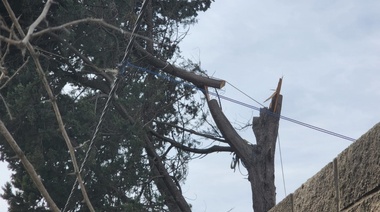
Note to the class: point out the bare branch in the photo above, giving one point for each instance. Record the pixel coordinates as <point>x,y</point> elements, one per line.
<point>42,76</point>
<point>10,41</point>
<point>13,18</point>
<point>212,149</point>
<point>197,80</point>
<point>88,20</point>
<point>6,107</point>
<point>18,70</point>
<point>37,21</point>
<point>28,166</point>
<point>194,132</point>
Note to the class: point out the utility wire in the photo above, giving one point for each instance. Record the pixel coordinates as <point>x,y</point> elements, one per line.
<point>120,75</point>
<point>246,94</point>
<point>282,165</point>
<point>173,80</point>
<point>90,145</point>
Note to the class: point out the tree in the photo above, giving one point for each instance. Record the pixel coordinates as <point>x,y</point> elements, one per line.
<point>138,158</point>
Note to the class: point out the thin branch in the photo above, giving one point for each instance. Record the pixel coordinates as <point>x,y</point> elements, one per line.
<point>13,18</point>
<point>212,149</point>
<point>194,132</point>
<point>42,76</point>
<point>41,17</point>
<point>6,107</point>
<point>10,41</point>
<point>83,57</point>
<point>28,166</point>
<point>18,70</point>
<point>88,20</point>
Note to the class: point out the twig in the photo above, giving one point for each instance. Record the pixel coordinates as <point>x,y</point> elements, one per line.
<point>18,70</point>
<point>6,107</point>
<point>87,20</point>
<point>28,166</point>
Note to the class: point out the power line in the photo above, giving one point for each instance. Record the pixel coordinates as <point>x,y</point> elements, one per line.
<point>171,79</point>
<point>121,65</point>
<point>282,165</point>
<point>246,94</point>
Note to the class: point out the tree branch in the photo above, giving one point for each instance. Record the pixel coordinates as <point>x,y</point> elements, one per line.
<point>212,149</point>
<point>52,98</point>
<point>197,80</point>
<point>194,132</point>
<point>18,70</point>
<point>37,21</point>
<point>88,20</point>
<point>240,146</point>
<point>28,166</point>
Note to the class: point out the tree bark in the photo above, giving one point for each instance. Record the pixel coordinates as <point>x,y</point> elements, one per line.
<point>261,177</point>
<point>259,158</point>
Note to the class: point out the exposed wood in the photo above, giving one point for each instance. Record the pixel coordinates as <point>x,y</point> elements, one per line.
<point>198,80</point>
<point>265,128</point>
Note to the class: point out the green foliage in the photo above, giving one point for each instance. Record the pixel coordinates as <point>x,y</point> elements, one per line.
<point>118,175</point>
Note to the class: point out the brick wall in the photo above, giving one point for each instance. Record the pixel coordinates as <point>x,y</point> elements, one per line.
<point>351,182</point>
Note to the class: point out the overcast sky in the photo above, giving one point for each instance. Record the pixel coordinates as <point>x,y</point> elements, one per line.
<point>328,53</point>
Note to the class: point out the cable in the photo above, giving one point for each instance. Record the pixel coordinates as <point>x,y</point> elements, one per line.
<point>246,94</point>
<point>113,89</point>
<point>91,144</point>
<point>282,165</point>
<point>171,79</point>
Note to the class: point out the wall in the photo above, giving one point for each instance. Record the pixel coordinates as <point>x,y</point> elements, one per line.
<point>351,182</point>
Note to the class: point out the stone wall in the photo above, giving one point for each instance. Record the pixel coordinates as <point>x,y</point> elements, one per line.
<point>351,182</point>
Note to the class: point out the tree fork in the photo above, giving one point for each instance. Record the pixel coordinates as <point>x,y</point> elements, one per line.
<point>258,158</point>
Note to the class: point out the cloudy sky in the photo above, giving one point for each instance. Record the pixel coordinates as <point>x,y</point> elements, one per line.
<point>329,55</point>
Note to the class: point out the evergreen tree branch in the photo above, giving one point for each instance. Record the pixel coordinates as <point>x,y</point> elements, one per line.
<point>28,166</point>
<point>53,102</point>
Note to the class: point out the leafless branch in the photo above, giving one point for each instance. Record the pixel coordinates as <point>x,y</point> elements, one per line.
<point>6,107</point>
<point>28,166</point>
<point>41,17</point>
<point>42,76</point>
<point>214,148</point>
<point>194,132</point>
<point>18,70</point>
<point>87,20</point>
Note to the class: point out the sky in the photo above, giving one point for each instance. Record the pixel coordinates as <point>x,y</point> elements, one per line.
<point>328,53</point>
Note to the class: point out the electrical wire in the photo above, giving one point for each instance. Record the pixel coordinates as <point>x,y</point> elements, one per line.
<point>282,165</point>
<point>112,91</point>
<point>245,94</point>
<point>173,80</point>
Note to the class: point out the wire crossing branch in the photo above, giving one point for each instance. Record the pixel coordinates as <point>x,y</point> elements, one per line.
<point>258,158</point>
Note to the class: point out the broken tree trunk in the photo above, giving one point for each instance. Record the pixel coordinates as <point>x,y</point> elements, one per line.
<point>261,177</point>
<point>258,158</point>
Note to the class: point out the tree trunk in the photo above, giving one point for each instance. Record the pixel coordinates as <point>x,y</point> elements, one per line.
<point>259,158</point>
<point>261,177</point>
